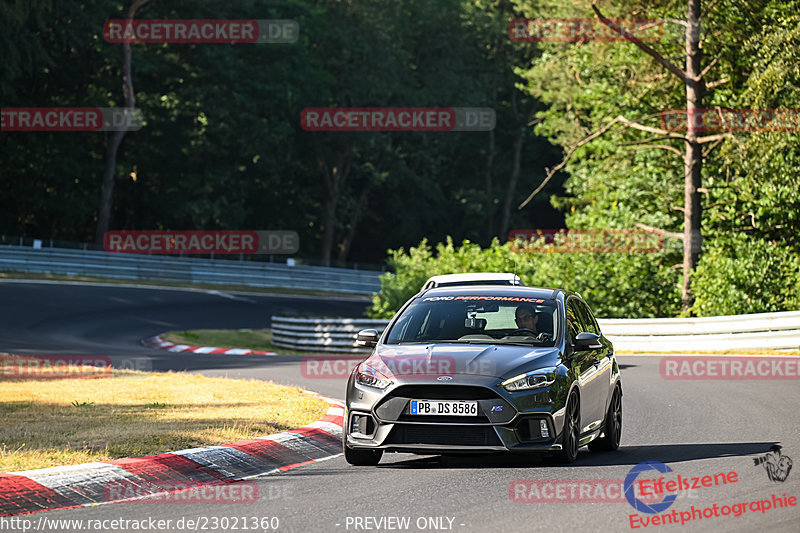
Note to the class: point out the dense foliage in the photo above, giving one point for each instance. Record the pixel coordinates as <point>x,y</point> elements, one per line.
<point>626,177</point>
<point>648,290</point>
<point>223,147</point>
<point>743,275</point>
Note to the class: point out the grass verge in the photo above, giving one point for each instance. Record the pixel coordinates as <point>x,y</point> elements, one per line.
<point>56,422</point>
<point>252,339</point>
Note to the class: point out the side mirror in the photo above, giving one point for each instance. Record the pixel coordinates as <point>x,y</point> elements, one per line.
<point>587,341</point>
<point>367,338</point>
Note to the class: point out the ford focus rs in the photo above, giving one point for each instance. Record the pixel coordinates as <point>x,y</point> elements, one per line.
<point>485,369</point>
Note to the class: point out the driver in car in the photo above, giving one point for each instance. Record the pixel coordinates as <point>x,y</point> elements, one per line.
<point>526,317</point>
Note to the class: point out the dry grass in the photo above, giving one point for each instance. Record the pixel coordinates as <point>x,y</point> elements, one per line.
<point>252,339</point>
<point>128,414</point>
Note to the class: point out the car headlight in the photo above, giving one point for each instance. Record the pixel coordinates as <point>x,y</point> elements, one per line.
<point>536,379</point>
<point>368,376</point>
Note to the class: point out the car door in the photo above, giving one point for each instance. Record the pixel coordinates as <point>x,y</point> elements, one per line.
<point>583,364</point>
<point>602,361</point>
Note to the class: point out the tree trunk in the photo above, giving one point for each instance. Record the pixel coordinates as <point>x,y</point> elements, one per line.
<point>693,160</point>
<point>334,179</point>
<point>115,138</point>
<point>328,222</point>
<point>512,183</point>
<point>107,191</point>
<point>489,199</point>
<point>515,168</point>
<point>355,218</point>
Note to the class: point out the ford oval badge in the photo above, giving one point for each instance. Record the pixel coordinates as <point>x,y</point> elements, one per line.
<point>444,378</point>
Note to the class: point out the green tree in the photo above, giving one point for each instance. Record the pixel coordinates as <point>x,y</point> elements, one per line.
<point>615,284</point>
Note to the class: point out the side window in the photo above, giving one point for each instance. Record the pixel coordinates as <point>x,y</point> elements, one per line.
<point>403,329</point>
<point>587,319</point>
<point>573,321</point>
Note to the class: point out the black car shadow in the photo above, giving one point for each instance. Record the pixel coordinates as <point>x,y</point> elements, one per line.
<point>625,455</point>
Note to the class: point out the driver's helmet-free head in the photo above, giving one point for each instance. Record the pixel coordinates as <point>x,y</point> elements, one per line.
<point>524,316</point>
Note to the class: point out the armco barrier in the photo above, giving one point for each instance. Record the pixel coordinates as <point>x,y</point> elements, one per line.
<point>185,269</point>
<point>738,332</point>
<point>322,334</point>
<point>735,332</point>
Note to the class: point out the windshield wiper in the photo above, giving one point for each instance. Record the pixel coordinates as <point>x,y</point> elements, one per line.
<point>476,341</point>
<point>531,343</point>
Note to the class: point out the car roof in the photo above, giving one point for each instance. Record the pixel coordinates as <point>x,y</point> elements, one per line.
<point>494,290</point>
<point>473,278</point>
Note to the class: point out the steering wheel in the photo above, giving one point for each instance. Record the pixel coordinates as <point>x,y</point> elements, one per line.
<point>541,336</point>
<point>524,330</point>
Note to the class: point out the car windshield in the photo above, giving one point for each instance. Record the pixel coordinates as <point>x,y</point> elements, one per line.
<point>477,319</point>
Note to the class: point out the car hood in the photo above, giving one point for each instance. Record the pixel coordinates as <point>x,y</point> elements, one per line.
<point>420,360</point>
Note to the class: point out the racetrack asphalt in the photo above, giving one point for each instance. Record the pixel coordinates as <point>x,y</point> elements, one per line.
<point>694,427</point>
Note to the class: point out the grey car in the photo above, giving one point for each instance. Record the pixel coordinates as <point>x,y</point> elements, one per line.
<point>485,369</point>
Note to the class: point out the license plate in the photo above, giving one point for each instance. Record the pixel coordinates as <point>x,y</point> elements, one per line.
<point>443,407</point>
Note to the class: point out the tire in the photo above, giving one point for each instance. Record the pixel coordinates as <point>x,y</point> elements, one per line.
<point>362,457</point>
<point>613,426</point>
<point>569,435</point>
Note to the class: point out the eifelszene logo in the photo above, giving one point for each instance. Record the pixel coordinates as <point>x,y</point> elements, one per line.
<point>636,503</point>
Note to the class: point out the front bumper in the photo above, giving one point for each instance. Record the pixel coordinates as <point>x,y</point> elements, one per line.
<point>505,422</point>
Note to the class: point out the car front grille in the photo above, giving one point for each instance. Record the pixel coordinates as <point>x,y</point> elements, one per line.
<point>395,406</point>
<point>443,435</point>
